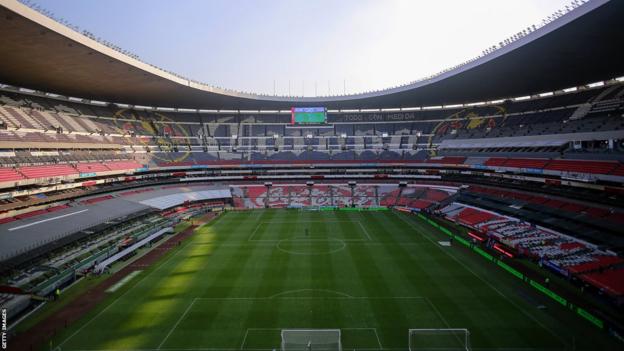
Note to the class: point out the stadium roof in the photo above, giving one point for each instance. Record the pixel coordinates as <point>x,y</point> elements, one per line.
<point>581,46</point>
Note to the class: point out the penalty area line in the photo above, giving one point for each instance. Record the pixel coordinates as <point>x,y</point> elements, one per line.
<point>425,233</point>
<point>162,264</point>
<point>176,324</point>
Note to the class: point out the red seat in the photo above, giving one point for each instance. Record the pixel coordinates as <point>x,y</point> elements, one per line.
<point>9,174</point>
<point>91,167</point>
<point>123,165</point>
<point>455,160</point>
<point>611,280</point>
<point>48,171</point>
<point>7,220</point>
<point>495,161</point>
<point>97,199</point>
<point>471,216</point>
<point>594,167</point>
<point>618,171</point>
<point>597,212</point>
<point>419,204</point>
<point>526,163</point>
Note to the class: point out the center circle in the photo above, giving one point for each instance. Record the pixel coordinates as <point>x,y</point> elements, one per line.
<point>311,246</point>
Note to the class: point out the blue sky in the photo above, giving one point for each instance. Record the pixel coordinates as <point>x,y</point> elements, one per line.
<point>249,45</point>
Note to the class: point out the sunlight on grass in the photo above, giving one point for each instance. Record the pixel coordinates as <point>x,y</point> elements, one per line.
<point>221,289</point>
<point>167,303</point>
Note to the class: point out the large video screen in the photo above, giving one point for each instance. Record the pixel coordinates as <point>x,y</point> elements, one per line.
<point>303,115</point>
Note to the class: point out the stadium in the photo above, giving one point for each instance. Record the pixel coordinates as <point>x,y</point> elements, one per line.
<point>476,209</point>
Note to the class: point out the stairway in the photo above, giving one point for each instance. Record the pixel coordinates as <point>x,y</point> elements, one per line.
<point>396,199</point>
<point>581,111</point>
<point>604,93</point>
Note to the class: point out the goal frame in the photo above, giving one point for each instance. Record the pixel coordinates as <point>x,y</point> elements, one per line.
<point>282,345</point>
<point>465,331</point>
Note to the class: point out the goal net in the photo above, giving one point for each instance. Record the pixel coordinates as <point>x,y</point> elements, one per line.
<point>311,340</point>
<point>439,339</point>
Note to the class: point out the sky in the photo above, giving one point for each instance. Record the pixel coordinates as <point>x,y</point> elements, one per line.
<point>304,48</point>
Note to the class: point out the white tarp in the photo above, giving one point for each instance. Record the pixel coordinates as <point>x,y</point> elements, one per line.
<point>167,201</point>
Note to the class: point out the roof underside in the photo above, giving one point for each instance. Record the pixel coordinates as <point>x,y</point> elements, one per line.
<point>38,54</point>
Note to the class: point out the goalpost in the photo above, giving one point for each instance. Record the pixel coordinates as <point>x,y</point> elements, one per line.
<point>439,339</point>
<point>311,340</point>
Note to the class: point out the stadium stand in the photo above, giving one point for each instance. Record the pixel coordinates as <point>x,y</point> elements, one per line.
<point>9,174</point>
<point>47,171</point>
<point>341,195</point>
<point>565,253</point>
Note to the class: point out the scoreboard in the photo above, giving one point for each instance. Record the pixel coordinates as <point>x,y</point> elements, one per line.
<point>303,115</point>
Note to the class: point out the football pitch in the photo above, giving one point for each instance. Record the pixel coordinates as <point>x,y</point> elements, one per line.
<point>241,279</point>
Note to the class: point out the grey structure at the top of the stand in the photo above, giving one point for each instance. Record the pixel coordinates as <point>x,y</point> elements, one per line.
<point>35,44</point>
<point>167,201</point>
<point>22,235</point>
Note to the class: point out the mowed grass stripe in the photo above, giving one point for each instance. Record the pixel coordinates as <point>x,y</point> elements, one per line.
<point>87,331</point>
<point>385,313</point>
<point>322,274</point>
<point>175,289</point>
<point>216,326</point>
<point>220,289</point>
<point>273,279</point>
<point>424,269</point>
<point>497,309</point>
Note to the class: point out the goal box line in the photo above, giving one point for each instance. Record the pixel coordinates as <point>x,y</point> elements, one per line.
<point>311,339</point>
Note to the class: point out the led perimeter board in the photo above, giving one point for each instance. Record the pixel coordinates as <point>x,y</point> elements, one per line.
<point>303,115</point>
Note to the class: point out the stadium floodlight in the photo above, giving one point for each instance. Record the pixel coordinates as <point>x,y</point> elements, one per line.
<point>311,339</point>
<point>343,135</point>
<point>384,135</point>
<point>439,339</point>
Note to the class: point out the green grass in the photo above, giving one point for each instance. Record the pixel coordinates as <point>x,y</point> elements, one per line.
<point>374,275</point>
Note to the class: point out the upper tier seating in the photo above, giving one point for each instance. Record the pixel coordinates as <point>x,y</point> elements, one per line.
<point>75,122</point>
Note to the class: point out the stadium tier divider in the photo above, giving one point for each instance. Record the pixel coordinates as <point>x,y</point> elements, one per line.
<point>538,286</point>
